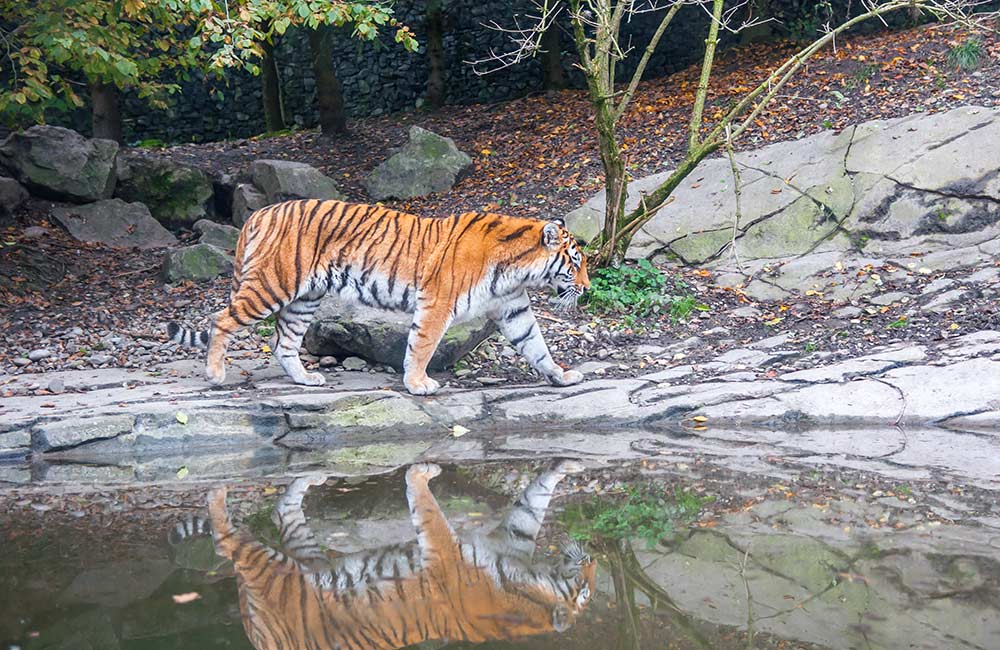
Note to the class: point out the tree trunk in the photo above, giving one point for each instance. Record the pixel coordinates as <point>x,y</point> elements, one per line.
<point>434,24</point>
<point>106,113</point>
<point>274,114</point>
<point>329,91</point>
<point>615,186</point>
<point>555,79</point>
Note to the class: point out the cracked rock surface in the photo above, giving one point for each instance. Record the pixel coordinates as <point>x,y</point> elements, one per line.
<point>919,192</point>
<point>903,409</point>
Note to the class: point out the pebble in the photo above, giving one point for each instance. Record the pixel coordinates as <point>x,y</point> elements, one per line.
<point>41,507</point>
<point>327,362</point>
<point>464,372</point>
<point>491,381</point>
<point>20,362</point>
<point>99,359</point>
<point>38,355</point>
<point>603,353</point>
<point>57,385</point>
<point>354,363</point>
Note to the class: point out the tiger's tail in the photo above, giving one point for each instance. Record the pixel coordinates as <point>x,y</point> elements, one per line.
<point>188,337</point>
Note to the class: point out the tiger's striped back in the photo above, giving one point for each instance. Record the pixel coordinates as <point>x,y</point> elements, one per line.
<point>440,587</point>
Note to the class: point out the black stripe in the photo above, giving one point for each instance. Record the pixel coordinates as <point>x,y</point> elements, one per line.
<point>516,234</point>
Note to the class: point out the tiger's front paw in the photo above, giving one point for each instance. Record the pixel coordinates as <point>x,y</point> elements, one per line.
<point>311,379</point>
<point>425,471</point>
<point>215,376</point>
<point>568,378</point>
<point>421,386</point>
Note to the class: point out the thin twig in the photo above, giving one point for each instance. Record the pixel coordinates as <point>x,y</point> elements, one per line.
<point>737,191</point>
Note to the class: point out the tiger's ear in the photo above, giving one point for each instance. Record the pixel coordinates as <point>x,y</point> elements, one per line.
<point>550,235</point>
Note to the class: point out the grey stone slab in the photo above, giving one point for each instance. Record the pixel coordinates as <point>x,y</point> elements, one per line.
<point>861,366</point>
<point>73,432</point>
<point>937,393</point>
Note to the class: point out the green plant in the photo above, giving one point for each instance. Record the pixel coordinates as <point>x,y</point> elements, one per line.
<point>966,55</point>
<point>810,347</point>
<point>648,511</point>
<point>265,328</point>
<point>638,290</point>
<point>682,306</point>
<point>904,490</point>
<point>827,124</point>
<point>863,74</point>
<point>150,143</point>
<point>899,323</point>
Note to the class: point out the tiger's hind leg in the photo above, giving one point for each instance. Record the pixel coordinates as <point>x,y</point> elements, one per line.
<point>435,537</point>
<point>297,538</point>
<point>245,308</point>
<point>524,519</point>
<point>293,321</point>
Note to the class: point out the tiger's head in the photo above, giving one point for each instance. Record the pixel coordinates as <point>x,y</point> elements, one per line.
<point>550,600</point>
<point>566,269</point>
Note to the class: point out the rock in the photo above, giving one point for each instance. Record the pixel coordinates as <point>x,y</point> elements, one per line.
<point>60,163</point>
<point>119,583</point>
<point>57,385</point>
<point>199,262</point>
<point>281,180</point>
<point>850,311</point>
<point>99,359</point>
<point>114,223</point>
<point>34,232</point>
<point>342,329</point>
<point>247,199</point>
<point>327,362</point>
<point>217,234</point>
<point>354,363</point>
<point>12,195</point>
<point>38,355</point>
<point>175,193</point>
<point>20,362</point>
<point>945,301</point>
<point>813,208</point>
<point>428,163</point>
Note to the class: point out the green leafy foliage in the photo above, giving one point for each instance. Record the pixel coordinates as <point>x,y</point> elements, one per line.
<point>265,328</point>
<point>638,290</point>
<point>647,511</point>
<point>56,47</point>
<point>966,55</point>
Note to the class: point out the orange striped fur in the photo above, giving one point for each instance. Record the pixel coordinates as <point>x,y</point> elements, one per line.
<point>443,271</point>
<point>469,587</point>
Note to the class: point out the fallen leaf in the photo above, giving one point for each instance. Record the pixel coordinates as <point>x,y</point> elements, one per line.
<point>700,418</point>
<point>182,472</point>
<point>458,431</point>
<point>182,599</point>
<point>182,417</point>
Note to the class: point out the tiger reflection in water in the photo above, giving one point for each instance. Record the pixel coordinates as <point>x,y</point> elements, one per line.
<point>442,586</point>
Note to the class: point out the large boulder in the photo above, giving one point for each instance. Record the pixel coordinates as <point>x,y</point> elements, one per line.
<point>114,223</point>
<point>176,194</point>
<point>428,163</point>
<point>281,180</point>
<point>914,192</point>
<point>12,196</point>
<point>344,329</point>
<point>247,199</point>
<point>60,163</point>
<point>217,234</point>
<point>200,262</point>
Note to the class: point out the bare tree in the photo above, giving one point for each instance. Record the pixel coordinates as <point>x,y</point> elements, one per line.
<point>597,29</point>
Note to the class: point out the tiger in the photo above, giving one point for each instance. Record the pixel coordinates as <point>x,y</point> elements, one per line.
<point>443,586</point>
<point>441,270</point>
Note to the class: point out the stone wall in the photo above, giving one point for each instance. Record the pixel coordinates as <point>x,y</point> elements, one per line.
<point>381,77</point>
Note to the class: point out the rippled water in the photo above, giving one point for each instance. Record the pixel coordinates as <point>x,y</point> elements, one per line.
<point>759,569</point>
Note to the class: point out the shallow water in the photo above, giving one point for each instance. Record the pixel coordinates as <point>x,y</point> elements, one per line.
<point>765,566</point>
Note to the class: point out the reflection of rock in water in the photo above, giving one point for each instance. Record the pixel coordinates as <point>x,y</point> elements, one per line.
<point>817,583</point>
<point>442,586</point>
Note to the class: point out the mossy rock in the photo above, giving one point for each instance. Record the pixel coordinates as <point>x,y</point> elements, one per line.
<point>428,163</point>
<point>62,164</point>
<point>176,194</point>
<point>200,262</point>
